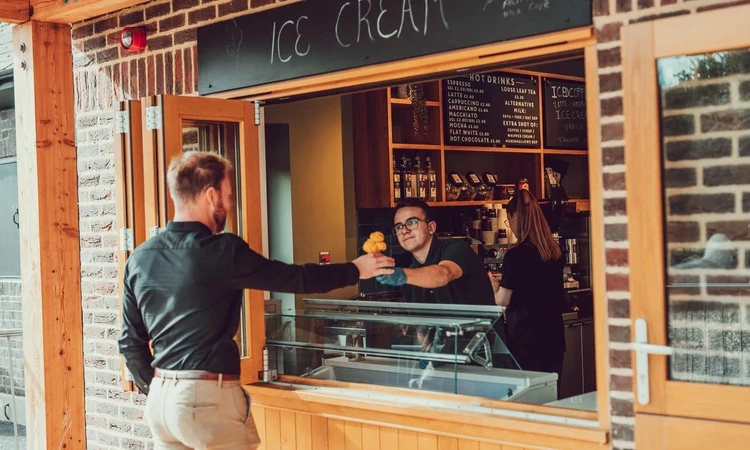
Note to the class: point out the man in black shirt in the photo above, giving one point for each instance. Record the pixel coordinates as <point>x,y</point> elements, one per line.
<point>183,291</point>
<point>442,271</point>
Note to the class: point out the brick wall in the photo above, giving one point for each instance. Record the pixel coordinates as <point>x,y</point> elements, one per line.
<point>105,74</point>
<point>7,133</point>
<point>708,193</point>
<point>10,318</point>
<point>609,16</point>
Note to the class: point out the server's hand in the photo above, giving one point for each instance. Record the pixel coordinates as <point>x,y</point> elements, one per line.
<point>397,278</point>
<point>374,264</point>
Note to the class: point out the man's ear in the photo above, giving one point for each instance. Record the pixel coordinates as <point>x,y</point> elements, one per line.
<point>432,227</point>
<point>212,195</point>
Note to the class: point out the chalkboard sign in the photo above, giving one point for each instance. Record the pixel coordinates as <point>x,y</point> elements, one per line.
<point>565,114</point>
<point>321,36</point>
<point>492,110</point>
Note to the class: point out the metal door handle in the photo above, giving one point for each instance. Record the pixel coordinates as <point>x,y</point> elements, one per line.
<point>642,349</point>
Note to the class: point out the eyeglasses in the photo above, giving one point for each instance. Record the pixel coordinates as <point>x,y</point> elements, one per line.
<point>507,224</point>
<point>409,224</point>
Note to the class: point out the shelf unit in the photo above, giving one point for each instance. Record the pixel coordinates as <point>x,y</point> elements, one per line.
<point>381,131</point>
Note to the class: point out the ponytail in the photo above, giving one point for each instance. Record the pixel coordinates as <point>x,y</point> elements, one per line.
<point>531,226</point>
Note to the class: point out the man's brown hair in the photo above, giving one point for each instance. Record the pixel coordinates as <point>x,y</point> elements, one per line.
<point>192,172</point>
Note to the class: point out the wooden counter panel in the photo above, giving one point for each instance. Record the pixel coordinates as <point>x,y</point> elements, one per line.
<point>295,420</point>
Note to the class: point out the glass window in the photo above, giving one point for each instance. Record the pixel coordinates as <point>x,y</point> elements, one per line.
<point>10,244</point>
<point>705,128</point>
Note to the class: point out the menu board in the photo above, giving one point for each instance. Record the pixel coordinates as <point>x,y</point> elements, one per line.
<point>565,114</point>
<point>492,110</point>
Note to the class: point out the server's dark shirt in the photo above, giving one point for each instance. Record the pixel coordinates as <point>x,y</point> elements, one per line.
<point>473,287</point>
<point>534,315</point>
<point>183,291</point>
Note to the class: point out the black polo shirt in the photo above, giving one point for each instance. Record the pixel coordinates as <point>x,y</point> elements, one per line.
<point>472,288</point>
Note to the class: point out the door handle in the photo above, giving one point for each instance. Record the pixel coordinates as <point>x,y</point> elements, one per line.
<point>642,349</point>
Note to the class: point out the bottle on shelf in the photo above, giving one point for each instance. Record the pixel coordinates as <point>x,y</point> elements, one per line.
<point>396,182</point>
<point>420,177</point>
<point>431,180</point>
<point>406,178</point>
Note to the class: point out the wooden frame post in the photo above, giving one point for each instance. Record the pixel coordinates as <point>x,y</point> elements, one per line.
<point>50,247</point>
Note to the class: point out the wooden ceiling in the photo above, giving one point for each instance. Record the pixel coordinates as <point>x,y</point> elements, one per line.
<point>59,11</point>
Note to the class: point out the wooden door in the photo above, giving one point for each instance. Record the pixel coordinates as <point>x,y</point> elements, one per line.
<point>686,87</point>
<point>174,124</point>
<point>128,193</point>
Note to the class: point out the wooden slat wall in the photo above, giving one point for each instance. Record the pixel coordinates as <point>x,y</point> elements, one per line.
<point>290,430</point>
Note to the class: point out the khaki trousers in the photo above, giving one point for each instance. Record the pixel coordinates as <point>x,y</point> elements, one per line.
<point>200,415</point>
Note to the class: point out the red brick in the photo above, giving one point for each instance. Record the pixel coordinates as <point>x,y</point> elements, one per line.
<point>158,10</point>
<point>617,257</point>
<point>610,82</point>
<point>617,282</point>
<point>609,57</point>
<point>621,383</point>
<point>615,207</point>
<point>233,7</point>
<point>619,333</point>
<point>611,107</point>
<point>620,359</point>
<point>107,55</point>
<point>105,25</point>
<point>151,75</point>
<point>680,177</point>
<point>668,2</point>
<point>170,23</point>
<point>609,32</point>
<point>189,35</point>
<point>125,73</point>
<point>618,309</point>
<point>683,232</point>
<point>683,204</point>
<point>259,3</point>
<point>134,79</point>
<point>614,181</point>
<point>160,74</point>
<point>621,408</point>
<point>169,73</point>
<point>624,5</point>
<point>179,76</point>
<point>187,57</point>
<point>612,132</point>
<point>94,43</point>
<point>142,77</point>
<point>178,5</point>
<point>621,432</point>
<point>202,15</point>
<point>645,4</point>
<point>159,43</point>
<point>613,156</point>
<point>738,119</point>
<point>601,8</point>
<point>132,18</point>
<point>83,31</point>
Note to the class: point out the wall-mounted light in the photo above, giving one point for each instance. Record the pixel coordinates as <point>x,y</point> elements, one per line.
<point>133,39</point>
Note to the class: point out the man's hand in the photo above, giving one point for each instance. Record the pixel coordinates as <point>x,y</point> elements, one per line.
<point>397,278</point>
<point>495,280</point>
<point>374,264</point>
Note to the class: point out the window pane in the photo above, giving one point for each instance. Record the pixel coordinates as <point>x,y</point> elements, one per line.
<point>705,127</point>
<point>10,246</point>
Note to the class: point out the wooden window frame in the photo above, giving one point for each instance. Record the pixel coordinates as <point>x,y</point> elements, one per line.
<point>454,63</point>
